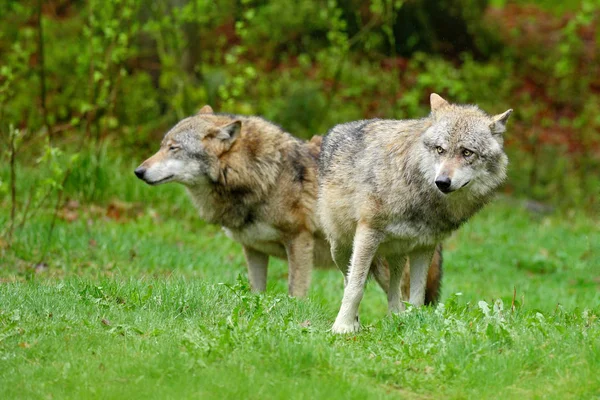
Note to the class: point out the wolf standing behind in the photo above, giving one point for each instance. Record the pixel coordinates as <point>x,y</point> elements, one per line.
<point>396,188</point>
<point>249,176</point>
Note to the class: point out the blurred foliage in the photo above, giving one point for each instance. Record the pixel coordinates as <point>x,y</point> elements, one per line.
<point>128,70</point>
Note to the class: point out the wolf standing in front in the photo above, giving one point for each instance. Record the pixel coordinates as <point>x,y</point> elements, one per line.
<point>395,189</point>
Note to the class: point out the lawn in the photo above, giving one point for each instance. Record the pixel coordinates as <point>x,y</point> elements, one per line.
<point>134,297</point>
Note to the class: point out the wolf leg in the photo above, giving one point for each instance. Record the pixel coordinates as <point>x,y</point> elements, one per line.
<point>300,252</point>
<point>257,268</point>
<point>405,281</point>
<point>381,272</point>
<point>434,277</point>
<point>341,257</point>
<point>395,296</point>
<point>419,267</point>
<point>366,242</point>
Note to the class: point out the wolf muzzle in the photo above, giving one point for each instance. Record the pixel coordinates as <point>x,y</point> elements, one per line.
<point>140,172</point>
<point>443,183</point>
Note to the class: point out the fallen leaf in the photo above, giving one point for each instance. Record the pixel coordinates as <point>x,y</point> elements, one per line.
<point>40,267</point>
<point>96,210</point>
<point>72,204</point>
<point>68,215</point>
<point>305,324</point>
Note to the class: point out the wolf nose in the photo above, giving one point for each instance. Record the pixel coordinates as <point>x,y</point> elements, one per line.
<point>443,183</point>
<point>139,172</point>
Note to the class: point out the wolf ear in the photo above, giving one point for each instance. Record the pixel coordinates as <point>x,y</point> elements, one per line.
<point>206,110</point>
<point>498,124</point>
<point>230,132</point>
<point>437,102</point>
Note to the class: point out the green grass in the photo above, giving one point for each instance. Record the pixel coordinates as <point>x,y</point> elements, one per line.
<point>153,303</point>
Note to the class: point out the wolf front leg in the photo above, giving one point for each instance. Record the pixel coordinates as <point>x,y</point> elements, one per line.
<point>341,256</point>
<point>300,252</point>
<point>257,268</point>
<point>419,267</point>
<point>366,242</point>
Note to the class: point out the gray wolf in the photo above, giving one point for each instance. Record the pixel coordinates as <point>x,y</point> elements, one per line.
<point>397,188</point>
<point>260,184</point>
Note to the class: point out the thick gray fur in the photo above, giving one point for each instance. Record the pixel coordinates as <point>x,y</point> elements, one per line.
<point>381,190</point>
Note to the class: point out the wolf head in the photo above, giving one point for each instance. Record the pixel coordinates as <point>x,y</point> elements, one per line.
<point>189,152</point>
<point>464,148</point>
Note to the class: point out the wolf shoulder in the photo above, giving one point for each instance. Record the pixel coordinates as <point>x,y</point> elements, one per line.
<point>348,142</point>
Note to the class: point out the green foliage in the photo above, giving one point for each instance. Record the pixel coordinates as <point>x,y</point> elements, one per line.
<point>16,78</point>
<point>115,68</point>
<point>287,36</point>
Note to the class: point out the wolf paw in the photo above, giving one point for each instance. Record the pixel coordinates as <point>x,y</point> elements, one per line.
<point>343,327</point>
<point>396,308</point>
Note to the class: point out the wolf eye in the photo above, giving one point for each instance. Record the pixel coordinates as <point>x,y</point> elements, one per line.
<point>467,153</point>
<point>439,149</point>
<point>173,147</point>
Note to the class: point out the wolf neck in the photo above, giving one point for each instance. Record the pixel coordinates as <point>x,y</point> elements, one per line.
<point>242,183</point>
<point>462,206</point>
<point>229,208</point>
<point>445,212</point>
<point>437,214</point>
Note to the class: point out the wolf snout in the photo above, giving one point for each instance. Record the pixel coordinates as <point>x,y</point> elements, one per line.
<point>139,172</point>
<point>443,183</point>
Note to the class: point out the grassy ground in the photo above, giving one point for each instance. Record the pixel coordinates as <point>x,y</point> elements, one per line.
<point>142,300</point>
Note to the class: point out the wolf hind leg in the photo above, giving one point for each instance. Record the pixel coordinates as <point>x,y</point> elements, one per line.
<point>434,277</point>
<point>257,268</point>
<point>341,257</point>
<point>419,268</point>
<point>380,270</point>
<point>366,242</point>
<point>300,252</point>
<point>397,283</point>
